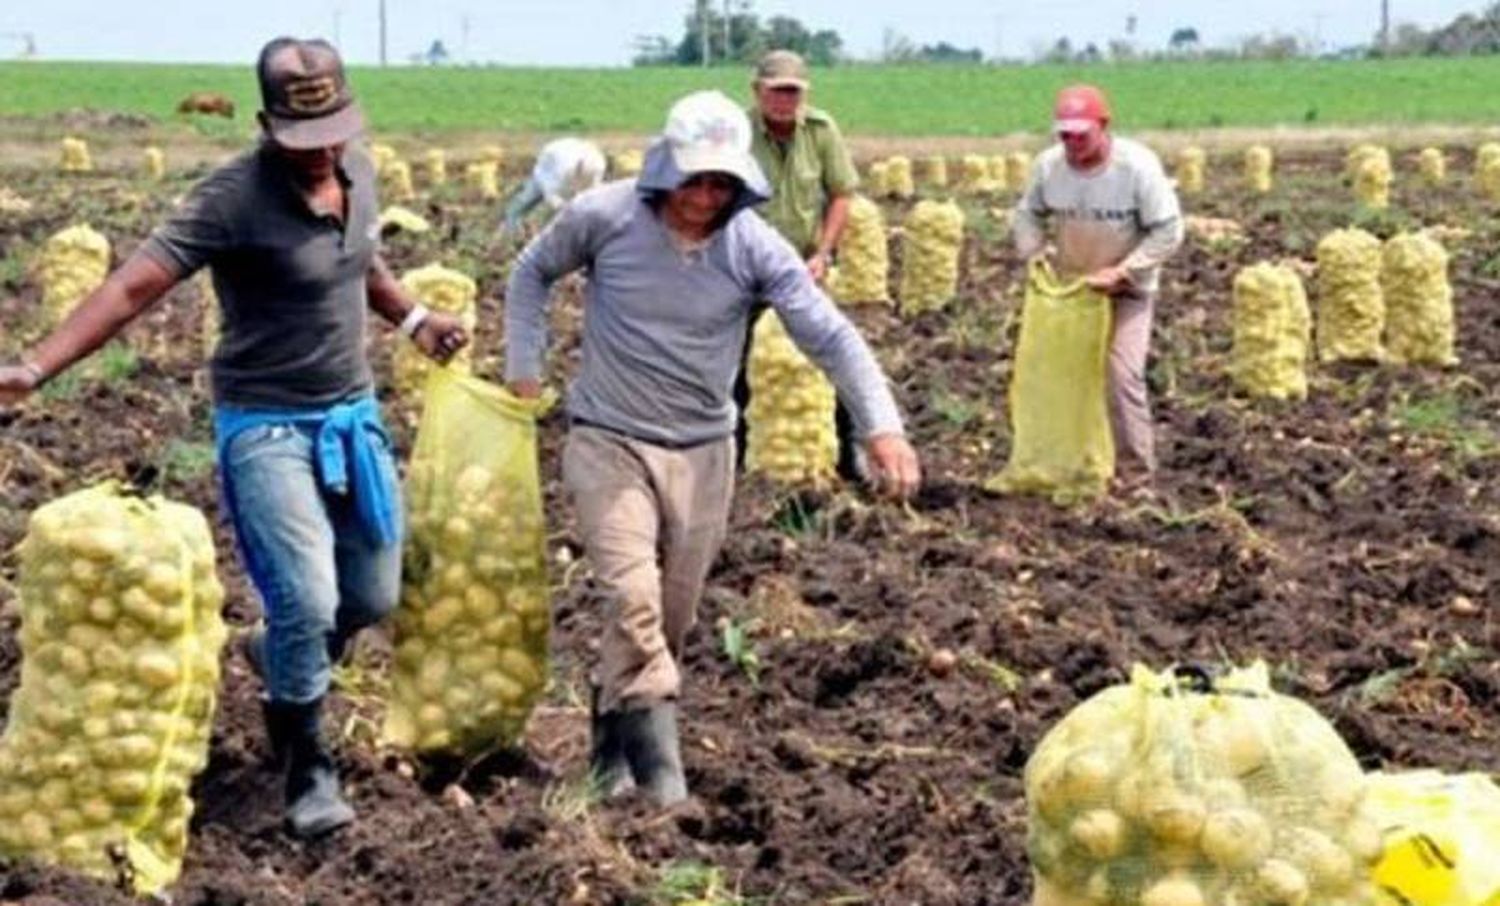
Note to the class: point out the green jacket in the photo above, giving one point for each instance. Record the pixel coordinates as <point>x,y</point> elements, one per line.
<point>804,173</point>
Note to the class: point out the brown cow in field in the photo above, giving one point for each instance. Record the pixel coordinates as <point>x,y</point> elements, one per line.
<point>207,102</point>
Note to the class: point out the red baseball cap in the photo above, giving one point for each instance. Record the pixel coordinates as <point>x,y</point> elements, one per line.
<point>1078,107</point>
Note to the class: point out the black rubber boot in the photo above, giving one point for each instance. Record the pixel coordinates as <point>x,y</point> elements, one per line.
<point>314,805</point>
<point>607,762</point>
<point>649,738</point>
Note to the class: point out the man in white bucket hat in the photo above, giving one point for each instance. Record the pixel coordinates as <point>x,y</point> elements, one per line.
<point>675,263</point>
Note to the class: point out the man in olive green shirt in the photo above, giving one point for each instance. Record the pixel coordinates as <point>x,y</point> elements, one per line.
<point>812,178</point>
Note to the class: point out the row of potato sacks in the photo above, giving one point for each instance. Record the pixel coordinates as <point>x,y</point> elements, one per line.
<point>1367,291</point>
<point>1398,290</point>
<point>120,642</point>
<point>481,175</point>
<point>932,240</point>
<point>893,177</point>
<point>73,156</point>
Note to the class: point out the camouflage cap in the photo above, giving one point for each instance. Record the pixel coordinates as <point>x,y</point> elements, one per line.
<point>782,69</point>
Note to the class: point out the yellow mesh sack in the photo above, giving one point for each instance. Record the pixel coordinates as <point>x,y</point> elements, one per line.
<point>73,263</point>
<point>1191,162</point>
<point>1018,170</point>
<point>974,175</point>
<point>74,156</point>
<point>899,178</point>
<point>1351,309</point>
<point>1358,155</point>
<point>120,640</point>
<point>436,162</point>
<point>623,164</point>
<point>395,182</point>
<point>1442,832</point>
<point>440,289</point>
<point>1174,791</point>
<point>382,156</point>
<point>1487,171</point>
<point>471,630</point>
<point>1259,162</point>
<point>999,168</point>
<point>155,163</point>
<point>1061,444</point>
<point>1432,164</point>
<point>1372,179</point>
<point>1272,332</point>
<point>790,436</point>
<point>932,240</point>
<point>864,259</point>
<point>483,178</point>
<point>934,172</point>
<point>879,179</point>
<point>1418,300</point>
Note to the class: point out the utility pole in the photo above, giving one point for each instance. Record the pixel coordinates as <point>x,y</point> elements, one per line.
<point>382,32</point>
<point>727,52</point>
<point>1385,27</point>
<point>703,31</point>
<point>463,45</point>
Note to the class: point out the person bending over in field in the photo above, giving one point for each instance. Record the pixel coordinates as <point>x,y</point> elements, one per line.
<point>1117,220</point>
<point>676,262</point>
<point>290,232</point>
<point>564,167</point>
<point>801,151</point>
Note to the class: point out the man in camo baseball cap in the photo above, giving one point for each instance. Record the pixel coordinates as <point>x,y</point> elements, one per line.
<point>305,98</point>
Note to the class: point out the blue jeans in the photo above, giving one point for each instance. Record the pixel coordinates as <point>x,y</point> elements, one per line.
<point>319,578</point>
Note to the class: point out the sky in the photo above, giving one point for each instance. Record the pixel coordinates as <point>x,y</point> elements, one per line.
<point>601,32</point>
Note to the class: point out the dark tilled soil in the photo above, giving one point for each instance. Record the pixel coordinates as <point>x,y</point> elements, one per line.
<point>1352,541</point>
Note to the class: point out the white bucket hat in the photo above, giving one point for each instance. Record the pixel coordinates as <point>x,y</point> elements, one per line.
<point>706,132</point>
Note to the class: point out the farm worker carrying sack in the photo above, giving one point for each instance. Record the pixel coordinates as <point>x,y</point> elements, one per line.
<point>289,231</point>
<point>564,167</point>
<point>1117,220</point>
<point>1060,437</point>
<point>1181,789</point>
<point>675,261</point>
<point>812,179</point>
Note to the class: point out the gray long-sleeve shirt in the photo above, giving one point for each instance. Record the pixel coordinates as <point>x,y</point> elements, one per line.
<point>664,327</point>
<point>1125,213</point>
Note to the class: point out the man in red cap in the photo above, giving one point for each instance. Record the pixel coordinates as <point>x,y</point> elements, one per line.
<point>1117,220</point>
<point>290,231</point>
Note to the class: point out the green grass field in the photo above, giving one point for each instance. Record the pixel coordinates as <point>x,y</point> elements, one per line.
<point>868,100</point>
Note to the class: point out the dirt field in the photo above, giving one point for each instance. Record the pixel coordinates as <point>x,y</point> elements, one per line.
<point>1353,541</point>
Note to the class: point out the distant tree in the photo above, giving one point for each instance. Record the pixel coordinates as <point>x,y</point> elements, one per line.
<point>1122,51</point>
<point>1272,46</point>
<point>1090,53</point>
<point>654,50</point>
<point>1060,52</point>
<point>1183,40</point>
<point>437,53</point>
<point>897,48</point>
<point>749,37</point>
<point>943,52</point>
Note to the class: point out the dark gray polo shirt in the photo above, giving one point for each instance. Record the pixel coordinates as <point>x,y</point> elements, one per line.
<point>291,283</point>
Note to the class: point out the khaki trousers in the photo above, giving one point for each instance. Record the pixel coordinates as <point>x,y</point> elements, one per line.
<point>652,520</point>
<point>1129,407</point>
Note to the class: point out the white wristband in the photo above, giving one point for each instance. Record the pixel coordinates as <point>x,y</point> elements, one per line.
<point>413,320</point>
